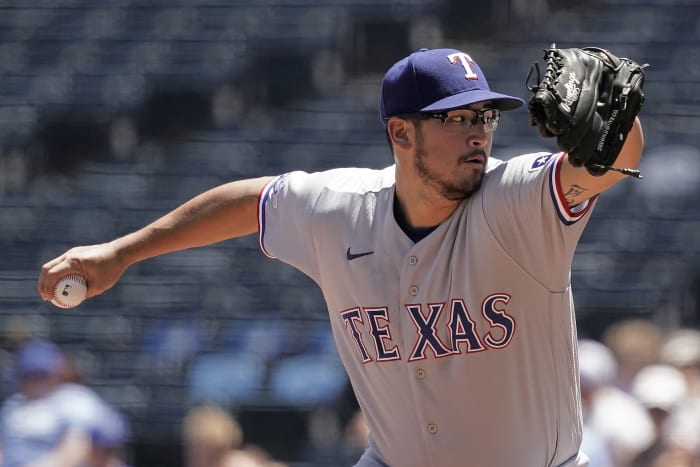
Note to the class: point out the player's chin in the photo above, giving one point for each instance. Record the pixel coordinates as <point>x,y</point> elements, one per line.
<point>470,175</point>
<point>473,181</point>
<point>464,189</point>
<point>474,165</point>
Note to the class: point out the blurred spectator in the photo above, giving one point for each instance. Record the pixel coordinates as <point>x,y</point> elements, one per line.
<point>356,435</point>
<point>213,438</point>
<point>635,343</point>
<point>356,431</point>
<point>70,370</point>
<point>334,441</point>
<point>108,439</point>
<point>47,422</point>
<point>616,427</point>
<point>17,329</point>
<point>210,436</point>
<point>597,368</point>
<point>682,435</point>
<point>681,430</point>
<point>682,350</point>
<point>660,388</point>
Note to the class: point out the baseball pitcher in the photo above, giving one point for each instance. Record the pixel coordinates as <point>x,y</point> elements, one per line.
<point>446,274</point>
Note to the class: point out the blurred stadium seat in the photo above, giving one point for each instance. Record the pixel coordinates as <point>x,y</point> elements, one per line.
<point>228,379</point>
<point>315,376</point>
<point>307,380</point>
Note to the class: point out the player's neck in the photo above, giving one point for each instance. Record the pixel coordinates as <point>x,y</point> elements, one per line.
<point>418,211</point>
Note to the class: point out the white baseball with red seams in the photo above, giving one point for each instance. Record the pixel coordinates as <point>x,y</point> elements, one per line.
<point>70,291</point>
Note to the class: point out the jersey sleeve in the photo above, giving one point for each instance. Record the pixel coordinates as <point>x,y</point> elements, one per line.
<point>308,220</point>
<point>528,215</point>
<point>285,209</point>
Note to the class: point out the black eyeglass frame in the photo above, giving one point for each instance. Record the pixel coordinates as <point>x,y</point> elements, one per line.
<point>479,115</point>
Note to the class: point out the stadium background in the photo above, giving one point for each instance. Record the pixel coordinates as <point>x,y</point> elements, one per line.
<point>114,111</point>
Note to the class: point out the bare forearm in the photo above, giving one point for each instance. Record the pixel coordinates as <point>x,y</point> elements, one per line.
<point>578,185</point>
<point>224,212</point>
<point>221,213</point>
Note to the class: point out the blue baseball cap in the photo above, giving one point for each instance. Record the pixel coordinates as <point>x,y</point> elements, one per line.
<point>433,80</point>
<point>38,357</point>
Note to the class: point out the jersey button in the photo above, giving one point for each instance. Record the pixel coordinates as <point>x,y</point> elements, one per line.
<point>432,428</point>
<point>420,373</point>
<point>412,260</point>
<point>413,290</point>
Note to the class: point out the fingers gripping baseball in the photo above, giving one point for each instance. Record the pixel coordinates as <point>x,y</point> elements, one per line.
<point>97,264</point>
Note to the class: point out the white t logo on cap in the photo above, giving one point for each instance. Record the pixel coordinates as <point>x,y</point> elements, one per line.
<point>464,59</point>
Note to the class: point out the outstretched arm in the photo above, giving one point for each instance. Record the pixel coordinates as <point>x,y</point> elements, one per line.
<point>578,184</point>
<point>224,212</point>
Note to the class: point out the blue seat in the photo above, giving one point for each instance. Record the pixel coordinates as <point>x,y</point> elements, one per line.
<point>225,378</point>
<point>314,377</point>
<point>175,342</point>
<point>265,338</point>
<point>307,380</point>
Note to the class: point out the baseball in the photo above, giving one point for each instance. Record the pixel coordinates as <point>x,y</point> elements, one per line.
<point>70,291</point>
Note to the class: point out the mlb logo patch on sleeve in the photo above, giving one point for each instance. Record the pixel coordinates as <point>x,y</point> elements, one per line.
<point>540,162</point>
<point>276,187</point>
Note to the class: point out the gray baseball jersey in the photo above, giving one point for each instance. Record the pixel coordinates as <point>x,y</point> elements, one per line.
<point>461,348</point>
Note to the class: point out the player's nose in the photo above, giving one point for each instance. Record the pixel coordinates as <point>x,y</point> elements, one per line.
<point>479,137</point>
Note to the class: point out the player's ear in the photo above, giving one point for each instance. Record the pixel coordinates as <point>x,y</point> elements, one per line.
<point>398,131</point>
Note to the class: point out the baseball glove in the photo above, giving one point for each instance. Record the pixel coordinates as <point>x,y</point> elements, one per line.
<point>588,98</point>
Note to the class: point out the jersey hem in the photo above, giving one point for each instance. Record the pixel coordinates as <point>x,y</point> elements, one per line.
<point>580,458</point>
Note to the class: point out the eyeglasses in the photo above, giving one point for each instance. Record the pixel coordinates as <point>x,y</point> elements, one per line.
<point>465,120</point>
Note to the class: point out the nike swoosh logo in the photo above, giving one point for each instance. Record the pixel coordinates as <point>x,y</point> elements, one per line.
<point>352,256</point>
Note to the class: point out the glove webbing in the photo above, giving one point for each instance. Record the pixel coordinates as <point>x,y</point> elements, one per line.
<point>625,171</point>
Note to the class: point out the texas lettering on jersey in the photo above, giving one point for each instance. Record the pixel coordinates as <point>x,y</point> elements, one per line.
<point>464,337</point>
